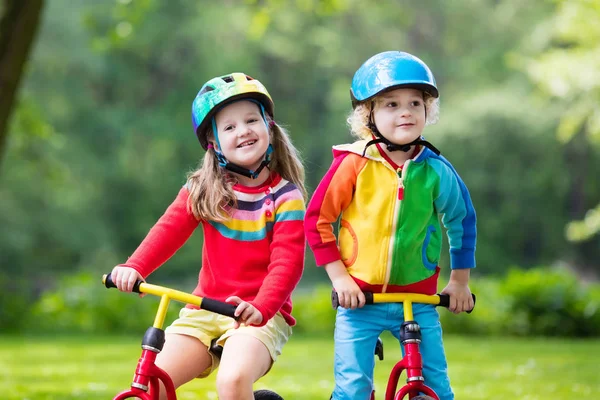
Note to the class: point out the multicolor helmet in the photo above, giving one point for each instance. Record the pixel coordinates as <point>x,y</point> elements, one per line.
<point>391,70</point>
<point>222,90</point>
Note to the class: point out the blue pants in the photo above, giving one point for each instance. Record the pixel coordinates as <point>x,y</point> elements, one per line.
<point>356,333</point>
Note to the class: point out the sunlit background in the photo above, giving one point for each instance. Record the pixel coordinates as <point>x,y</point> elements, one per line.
<point>96,140</point>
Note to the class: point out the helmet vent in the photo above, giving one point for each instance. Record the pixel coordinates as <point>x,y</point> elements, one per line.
<point>206,89</point>
<point>228,78</point>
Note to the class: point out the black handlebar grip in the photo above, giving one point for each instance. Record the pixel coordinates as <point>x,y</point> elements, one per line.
<point>445,301</point>
<point>474,301</point>
<point>219,307</point>
<point>335,301</point>
<point>108,282</point>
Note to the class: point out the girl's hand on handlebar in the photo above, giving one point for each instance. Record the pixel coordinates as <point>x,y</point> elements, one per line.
<point>247,313</point>
<point>125,277</point>
<point>460,297</point>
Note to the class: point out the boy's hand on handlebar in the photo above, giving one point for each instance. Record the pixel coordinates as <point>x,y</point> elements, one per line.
<point>125,277</point>
<point>460,297</point>
<point>349,293</point>
<point>247,313</point>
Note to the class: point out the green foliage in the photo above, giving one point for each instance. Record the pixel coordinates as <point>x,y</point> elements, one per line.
<point>585,228</point>
<point>551,303</point>
<point>566,69</point>
<point>14,303</point>
<point>313,311</point>
<point>101,138</point>
<point>81,304</point>
<point>489,317</point>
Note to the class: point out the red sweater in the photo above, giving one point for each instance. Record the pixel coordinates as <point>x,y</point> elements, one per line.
<point>257,255</point>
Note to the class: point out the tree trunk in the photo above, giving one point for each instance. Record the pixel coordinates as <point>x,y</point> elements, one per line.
<point>19,21</point>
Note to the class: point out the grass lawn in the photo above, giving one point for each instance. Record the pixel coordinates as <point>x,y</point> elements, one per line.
<point>480,368</point>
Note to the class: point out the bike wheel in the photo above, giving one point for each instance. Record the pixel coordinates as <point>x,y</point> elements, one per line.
<point>266,395</point>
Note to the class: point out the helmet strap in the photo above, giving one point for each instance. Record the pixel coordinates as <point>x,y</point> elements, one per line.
<point>241,170</point>
<point>390,146</point>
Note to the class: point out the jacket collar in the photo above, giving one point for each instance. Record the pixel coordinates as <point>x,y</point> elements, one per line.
<point>372,152</point>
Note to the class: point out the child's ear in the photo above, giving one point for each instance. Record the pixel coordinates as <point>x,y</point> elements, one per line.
<point>271,129</point>
<point>213,143</point>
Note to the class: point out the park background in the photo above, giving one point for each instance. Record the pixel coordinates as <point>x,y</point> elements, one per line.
<point>96,140</point>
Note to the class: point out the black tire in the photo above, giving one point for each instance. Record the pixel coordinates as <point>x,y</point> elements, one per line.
<point>266,395</point>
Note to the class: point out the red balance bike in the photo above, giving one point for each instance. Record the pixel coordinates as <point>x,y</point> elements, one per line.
<point>410,338</point>
<point>147,376</point>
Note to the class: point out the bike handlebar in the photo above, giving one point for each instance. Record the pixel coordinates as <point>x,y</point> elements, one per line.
<point>442,300</point>
<point>205,303</point>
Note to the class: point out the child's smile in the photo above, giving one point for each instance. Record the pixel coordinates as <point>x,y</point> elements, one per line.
<point>246,143</point>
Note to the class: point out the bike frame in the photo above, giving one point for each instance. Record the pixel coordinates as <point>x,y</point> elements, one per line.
<point>147,377</point>
<point>410,338</point>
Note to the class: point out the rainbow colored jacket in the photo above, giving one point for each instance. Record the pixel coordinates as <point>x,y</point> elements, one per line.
<point>389,234</point>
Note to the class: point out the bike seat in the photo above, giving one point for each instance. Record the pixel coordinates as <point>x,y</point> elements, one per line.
<point>215,348</point>
<point>379,349</point>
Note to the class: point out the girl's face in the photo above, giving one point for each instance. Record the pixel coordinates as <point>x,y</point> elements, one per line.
<point>243,135</point>
<point>400,115</point>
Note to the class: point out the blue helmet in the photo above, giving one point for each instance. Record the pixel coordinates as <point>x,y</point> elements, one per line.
<point>391,70</point>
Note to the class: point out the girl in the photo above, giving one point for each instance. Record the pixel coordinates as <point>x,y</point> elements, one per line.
<point>248,195</point>
<point>390,187</point>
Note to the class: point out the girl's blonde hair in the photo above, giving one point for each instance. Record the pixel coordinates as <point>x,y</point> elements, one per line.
<point>211,187</point>
<point>359,117</point>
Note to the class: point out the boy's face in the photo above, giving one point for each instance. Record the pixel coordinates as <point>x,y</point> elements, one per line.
<point>243,135</point>
<point>400,115</point>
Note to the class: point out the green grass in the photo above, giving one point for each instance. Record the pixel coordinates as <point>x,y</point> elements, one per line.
<point>480,368</point>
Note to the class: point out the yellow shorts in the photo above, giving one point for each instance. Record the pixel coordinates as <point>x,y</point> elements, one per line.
<point>206,326</point>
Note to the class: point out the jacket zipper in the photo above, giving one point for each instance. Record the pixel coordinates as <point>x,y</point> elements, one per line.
<point>397,209</point>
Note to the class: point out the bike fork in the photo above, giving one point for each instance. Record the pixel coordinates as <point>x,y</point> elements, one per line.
<point>147,378</point>
<point>412,362</point>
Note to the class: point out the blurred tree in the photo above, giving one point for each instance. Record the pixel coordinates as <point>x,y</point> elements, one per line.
<point>102,139</point>
<point>566,68</point>
<point>19,20</point>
